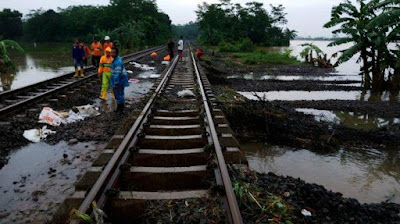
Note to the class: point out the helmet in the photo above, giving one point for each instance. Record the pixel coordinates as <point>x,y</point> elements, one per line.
<point>107,38</point>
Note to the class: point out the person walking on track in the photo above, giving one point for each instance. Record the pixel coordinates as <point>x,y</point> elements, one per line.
<point>107,43</point>
<point>105,72</point>
<point>96,52</point>
<point>77,54</point>
<point>86,56</point>
<point>180,48</point>
<point>119,80</point>
<point>171,46</point>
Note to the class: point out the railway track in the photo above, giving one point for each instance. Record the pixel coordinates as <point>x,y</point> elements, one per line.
<point>177,149</point>
<point>54,89</point>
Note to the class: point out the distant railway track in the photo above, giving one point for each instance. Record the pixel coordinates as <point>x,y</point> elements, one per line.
<point>175,150</point>
<point>56,88</point>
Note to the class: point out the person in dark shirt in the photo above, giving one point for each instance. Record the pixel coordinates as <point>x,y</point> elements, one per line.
<point>78,54</point>
<point>171,46</point>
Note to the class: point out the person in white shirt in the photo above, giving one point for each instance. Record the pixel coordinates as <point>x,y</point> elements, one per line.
<point>180,48</point>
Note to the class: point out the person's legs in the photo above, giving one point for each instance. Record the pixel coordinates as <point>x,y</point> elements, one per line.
<point>180,55</point>
<point>98,61</point>
<point>105,85</point>
<point>76,68</point>
<point>120,97</point>
<point>81,64</point>
<point>94,61</point>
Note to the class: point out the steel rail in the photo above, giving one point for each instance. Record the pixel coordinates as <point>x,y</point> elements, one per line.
<point>110,174</point>
<point>21,103</point>
<point>232,202</point>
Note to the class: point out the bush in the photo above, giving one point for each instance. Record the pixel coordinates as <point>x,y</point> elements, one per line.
<point>227,47</point>
<point>245,45</point>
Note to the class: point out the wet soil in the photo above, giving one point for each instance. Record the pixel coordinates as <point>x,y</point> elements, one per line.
<point>294,195</point>
<point>277,122</point>
<point>99,128</point>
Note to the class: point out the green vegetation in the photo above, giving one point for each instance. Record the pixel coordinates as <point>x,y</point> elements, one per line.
<point>5,61</point>
<point>370,26</point>
<point>11,24</point>
<point>261,57</point>
<point>130,23</point>
<point>189,31</point>
<point>229,23</point>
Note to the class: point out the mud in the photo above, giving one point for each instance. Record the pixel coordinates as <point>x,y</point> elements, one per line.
<point>295,194</point>
<point>99,128</point>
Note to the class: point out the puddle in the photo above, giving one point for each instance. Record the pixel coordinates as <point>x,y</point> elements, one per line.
<point>26,185</point>
<point>369,175</point>
<point>319,95</point>
<point>350,119</point>
<point>255,76</point>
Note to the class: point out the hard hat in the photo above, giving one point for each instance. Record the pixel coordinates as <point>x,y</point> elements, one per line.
<point>107,38</point>
<point>108,49</point>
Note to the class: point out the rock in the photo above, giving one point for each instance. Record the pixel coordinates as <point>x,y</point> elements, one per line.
<point>65,156</point>
<point>325,210</point>
<point>286,194</point>
<point>73,141</point>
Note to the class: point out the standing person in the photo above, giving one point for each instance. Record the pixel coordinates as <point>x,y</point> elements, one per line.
<point>119,80</point>
<point>96,52</point>
<point>105,72</point>
<point>199,52</point>
<point>77,54</point>
<point>86,56</point>
<point>180,48</point>
<point>171,46</point>
<point>108,43</point>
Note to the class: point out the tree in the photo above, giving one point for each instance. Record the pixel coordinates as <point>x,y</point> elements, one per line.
<point>370,27</point>
<point>10,23</point>
<point>5,61</point>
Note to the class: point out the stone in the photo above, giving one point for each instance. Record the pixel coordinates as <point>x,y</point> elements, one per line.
<point>286,194</point>
<point>73,141</point>
<point>325,210</point>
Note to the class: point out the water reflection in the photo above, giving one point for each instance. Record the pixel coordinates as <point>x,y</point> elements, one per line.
<point>321,95</point>
<point>350,119</point>
<point>369,175</point>
<point>30,71</point>
<point>261,76</point>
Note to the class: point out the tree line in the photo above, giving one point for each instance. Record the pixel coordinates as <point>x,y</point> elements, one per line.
<point>131,23</point>
<point>231,23</point>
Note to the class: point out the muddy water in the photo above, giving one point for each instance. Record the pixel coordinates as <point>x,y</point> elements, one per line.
<point>30,70</point>
<point>320,95</point>
<point>369,175</point>
<point>29,188</point>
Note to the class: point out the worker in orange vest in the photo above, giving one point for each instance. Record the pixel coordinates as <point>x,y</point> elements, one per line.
<point>105,72</point>
<point>108,43</point>
<point>96,52</point>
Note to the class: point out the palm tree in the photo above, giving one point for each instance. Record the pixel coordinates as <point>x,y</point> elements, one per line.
<point>5,61</point>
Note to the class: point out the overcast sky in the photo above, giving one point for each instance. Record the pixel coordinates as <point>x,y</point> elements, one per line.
<point>305,16</point>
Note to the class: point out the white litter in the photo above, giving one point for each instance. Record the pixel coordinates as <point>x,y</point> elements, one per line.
<point>88,111</point>
<point>73,117</point>
<point>142,66</point>
<point>54,118</point>
<point>154,76</point>
<point>129,71</point>
<point>305,212</point>
<point>51,117</point>
<point>35,135</point>
<point>185,93</point>
<point>165,62</point>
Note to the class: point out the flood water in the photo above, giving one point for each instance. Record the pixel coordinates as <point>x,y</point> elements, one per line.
<point>30,70</point>
<point>369,175</point>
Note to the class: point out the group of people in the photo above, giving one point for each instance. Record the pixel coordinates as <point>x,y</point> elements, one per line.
<point>171,47</point>
<point>110,67</point>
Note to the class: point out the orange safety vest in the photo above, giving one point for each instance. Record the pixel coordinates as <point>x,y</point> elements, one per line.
<point>110,45</point>
<point>105,64</point>
<point>96,48</point>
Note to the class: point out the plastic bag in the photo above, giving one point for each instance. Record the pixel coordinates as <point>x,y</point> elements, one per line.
<point>51,117</point>
<point>35,135</point>
<point>88,111</point>
<point>185,93</point>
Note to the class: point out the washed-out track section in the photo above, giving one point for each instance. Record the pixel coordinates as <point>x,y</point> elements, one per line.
<point>177,149</point>
<point>57,89</point>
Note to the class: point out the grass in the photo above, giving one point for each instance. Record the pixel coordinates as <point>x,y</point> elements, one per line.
<point>267,58</point>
